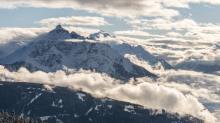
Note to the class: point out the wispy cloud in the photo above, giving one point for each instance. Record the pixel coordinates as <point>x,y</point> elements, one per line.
<point>137,33</point>
<point>75,20</point>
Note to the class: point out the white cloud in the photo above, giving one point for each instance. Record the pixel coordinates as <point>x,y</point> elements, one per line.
<point>75,20</point>
<point>174,34</point>
<point>136,33</point>
<point>150,95</point>
<point>201,31</point>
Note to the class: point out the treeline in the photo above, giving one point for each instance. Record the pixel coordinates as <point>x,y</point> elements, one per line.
<point>12,118</point>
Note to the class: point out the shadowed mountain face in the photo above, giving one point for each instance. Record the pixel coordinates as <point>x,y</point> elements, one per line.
<point>2,54</point>
<point>63,105</point>
<point>50,56</point>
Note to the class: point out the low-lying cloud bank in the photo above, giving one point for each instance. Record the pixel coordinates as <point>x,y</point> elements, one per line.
<point>148,94</point>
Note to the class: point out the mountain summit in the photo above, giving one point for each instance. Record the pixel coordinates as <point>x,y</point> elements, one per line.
<point>100,34</point>
<point>59,33</point>
<point>52,55</point>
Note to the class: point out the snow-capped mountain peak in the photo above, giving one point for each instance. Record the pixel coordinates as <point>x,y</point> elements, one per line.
<point>100,34</point>
<point>59,33</point>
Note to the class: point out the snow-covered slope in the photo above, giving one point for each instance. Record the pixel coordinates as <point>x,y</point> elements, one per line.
<point>50,56</point>
<point>134,53</point>
<point>100,34</point>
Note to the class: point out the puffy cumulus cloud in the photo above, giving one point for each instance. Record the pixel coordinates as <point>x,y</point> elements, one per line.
<point>137,33</point>
<point>75,20</point>
<point>150,95</point>
<point>122,8</point>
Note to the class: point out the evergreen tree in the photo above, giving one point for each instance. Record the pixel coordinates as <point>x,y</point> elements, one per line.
<point>12,117</point>
<point>6,117</point>
<point>31,120</point>
<point>35,121</point>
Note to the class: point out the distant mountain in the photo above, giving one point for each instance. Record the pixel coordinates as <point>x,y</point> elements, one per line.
<point>99,34</point>
<point>2,54</point>
<point>51,55</point>
<point>63,105</point>
<point>197,66</point>
<point>141,54</point>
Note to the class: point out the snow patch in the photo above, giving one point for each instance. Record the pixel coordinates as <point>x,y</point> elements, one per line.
<point>129,108</point>
<point>29,112</point>
<point>104,100</point>
<point>45,118</point>
<point>59,121</point>
<point>110,106</point>
<point>96,107</point>
<point>34,98</point>
<point>75,115</point>
<point>1,84</point>
<point>90,119</point>
<point>59,105</point>
<point>80,95</point>
<point>89,111</point>
<point>22,115</point>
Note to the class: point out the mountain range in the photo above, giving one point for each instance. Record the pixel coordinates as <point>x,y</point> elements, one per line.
<point>51,55</point>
